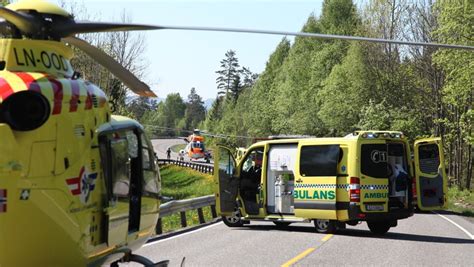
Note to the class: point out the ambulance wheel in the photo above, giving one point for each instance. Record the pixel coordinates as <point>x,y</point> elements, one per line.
<point>379,228</point>
<point>325,226</point>
<point>282,224</point>
<point>233,220</point>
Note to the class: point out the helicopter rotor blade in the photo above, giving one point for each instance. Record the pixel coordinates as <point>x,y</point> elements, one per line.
<point>24,22</point>
<point>316,35</point>
<point>124,75</point>
<point>72,28</point>
<point>77,27</point>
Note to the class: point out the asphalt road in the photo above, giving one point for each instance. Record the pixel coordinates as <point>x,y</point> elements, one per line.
<point>425,239</point>
<point>161,145</point>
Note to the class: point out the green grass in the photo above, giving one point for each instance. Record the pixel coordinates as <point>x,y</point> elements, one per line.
<point>461,201</point>
<point>177,148</point>
<point>183,183</point>
<point>173,222</point>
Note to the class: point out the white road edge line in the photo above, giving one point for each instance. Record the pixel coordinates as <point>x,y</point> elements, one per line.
<point>457,225</point>
<point>176,236</point>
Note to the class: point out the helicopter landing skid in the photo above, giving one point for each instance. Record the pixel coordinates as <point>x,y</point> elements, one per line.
<point>139,259</point>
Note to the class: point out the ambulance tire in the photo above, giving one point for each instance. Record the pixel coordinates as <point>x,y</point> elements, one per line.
<point>379,228</point>
<point>233,220</point>
<point>325,226</point>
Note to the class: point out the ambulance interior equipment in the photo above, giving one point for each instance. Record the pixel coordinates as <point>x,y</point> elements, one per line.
<point>280,178</point>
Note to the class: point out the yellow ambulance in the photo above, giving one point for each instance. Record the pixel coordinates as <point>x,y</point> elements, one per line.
<point>365,176</point>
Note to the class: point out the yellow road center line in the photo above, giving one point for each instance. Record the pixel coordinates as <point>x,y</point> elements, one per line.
<point>326,238</point>
<point>299,257</point>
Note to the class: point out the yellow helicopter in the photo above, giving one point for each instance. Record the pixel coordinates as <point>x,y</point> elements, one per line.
<point>78,185</point>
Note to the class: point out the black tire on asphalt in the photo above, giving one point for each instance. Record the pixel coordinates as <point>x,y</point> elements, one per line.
<point>233,220</point>
<point>325,226</point>
<point>281,224</point>
<point>379,227</point>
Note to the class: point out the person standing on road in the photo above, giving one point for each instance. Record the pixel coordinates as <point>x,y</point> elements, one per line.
<point>168,153</point>
<point>181,155</point>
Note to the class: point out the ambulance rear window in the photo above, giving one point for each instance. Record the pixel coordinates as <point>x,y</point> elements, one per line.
<point>374,160</point>
<point>319,160</point>
<point>429,158</point>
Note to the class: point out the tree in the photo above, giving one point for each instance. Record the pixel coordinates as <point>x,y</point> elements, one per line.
<point>228,74</point>
<point>455,26</point>
<point>139,105</point>
<point>309,63</point>
<point>261,107</point>
<point>422,21</point>
<point>125,47</point>
<point>248,78</point>
<point>195,110</point>
<point>173,112</point>
<point>215,113</point>
<point>345,92</point>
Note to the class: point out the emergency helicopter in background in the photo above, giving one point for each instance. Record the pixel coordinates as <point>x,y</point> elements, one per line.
<point>78,185</point>
<point>195,148</point>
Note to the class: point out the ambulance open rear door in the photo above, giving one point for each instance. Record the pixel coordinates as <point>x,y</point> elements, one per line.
<point>226,180</point>
<point>431,185</point>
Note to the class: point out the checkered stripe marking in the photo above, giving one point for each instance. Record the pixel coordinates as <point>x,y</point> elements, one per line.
<point>339,186</point>
<point>315,186</point>
<point>373,187</point>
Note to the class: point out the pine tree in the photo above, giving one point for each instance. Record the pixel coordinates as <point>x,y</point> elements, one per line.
<point>228,74</point>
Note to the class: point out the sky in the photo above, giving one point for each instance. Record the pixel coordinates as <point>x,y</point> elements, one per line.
<point>180,60</point>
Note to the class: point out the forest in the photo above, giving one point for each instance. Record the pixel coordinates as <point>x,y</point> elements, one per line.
<point>331,88</point>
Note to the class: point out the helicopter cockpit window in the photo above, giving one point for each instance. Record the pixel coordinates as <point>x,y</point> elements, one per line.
<point>150,185</point>
<point>132,144</point>
<point>120,166</point>
<point>146,154</point>
<point>197,145</point>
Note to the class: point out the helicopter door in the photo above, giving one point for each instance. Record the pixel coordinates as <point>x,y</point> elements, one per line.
<point>228,184</point>
<point>121,160</point>
<point>430,174</point>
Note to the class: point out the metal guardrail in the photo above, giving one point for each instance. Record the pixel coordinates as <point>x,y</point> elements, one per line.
<point>184,205</point>
<point>195,166</point>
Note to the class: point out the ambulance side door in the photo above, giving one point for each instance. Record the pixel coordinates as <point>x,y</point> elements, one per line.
<point>431,184</point>
<point>226,179</point>
<point>316,181</point>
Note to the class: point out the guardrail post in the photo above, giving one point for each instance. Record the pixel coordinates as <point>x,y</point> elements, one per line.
<point>201,216</point>
<point>183,219</point>
<point>159,227</point>
<point>213,211</point>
